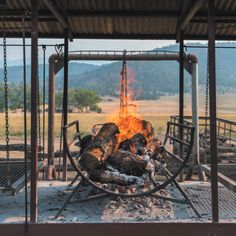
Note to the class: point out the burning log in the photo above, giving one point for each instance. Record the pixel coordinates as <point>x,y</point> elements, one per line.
<point>154,147</point>
<point>85,142</point>
<point>128,163</point>
<point>147,130</point>
<point>100,147</point>
<point>135,144</point>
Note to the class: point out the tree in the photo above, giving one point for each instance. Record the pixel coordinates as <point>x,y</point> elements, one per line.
<point>85,100</point>
<point>15,97</point>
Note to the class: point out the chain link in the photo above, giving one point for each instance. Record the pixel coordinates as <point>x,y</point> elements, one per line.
<point>206,105</point>
<point>39,115</point>
<point>207,94</point>
<point>6,108</point>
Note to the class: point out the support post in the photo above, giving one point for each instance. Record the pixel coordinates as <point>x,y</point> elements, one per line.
<point>195,121</point>
<point>181,95</point>
<point>212,102</point>
<point>65,102</point>
<point>51,111</point>
<point>34,112</point>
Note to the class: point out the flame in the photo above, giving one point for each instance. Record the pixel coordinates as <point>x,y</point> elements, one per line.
<point>126,118</point>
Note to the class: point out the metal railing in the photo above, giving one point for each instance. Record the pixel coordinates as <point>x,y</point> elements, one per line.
<point>226,129</point>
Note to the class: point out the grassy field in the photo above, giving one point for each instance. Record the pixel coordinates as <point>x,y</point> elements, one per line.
<point>157,112</point>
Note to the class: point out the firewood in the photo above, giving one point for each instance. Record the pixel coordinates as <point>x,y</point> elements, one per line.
<point>100,147</point>
<point>115,177</point>
<point>85,142</point>
<point>135,144</point>
<point>147,130</point>
<point>154,147</point>
<point>128,163</point>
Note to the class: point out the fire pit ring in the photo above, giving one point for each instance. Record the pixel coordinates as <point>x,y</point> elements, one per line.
<point>155,188</point>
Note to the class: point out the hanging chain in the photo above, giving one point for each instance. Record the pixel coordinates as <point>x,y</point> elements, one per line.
<point>44,51</point>
<point>6,107</point>
<point>207,96</point>
<point>39,114</point>
<point>206,107</point>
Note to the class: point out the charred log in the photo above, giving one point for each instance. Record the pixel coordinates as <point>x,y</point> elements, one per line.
<point>155,147</point>
<point>100,147</point>
<point>85,142</point>
<point>135,144</point>
<point>115,177</point>
<point>128,163</point>
<point>147,130</point>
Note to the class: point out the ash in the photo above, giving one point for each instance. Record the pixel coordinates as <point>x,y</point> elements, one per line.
<point>138,209</point>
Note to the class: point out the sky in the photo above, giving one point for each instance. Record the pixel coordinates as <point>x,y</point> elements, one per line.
<point>15,53</point>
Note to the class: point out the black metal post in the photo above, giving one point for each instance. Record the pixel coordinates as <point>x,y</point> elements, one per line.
<point>212,97</point>
<point>65,101</point>
<point>181,95</point>
<point>34,113</point>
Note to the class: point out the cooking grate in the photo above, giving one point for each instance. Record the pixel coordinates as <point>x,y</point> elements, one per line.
<point>15,171</point>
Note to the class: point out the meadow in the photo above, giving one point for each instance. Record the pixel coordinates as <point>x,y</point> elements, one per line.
<point>157,112</point>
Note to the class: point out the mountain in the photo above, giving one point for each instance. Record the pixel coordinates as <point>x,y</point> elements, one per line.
<point>15,72</point>
<point>148,78</point>
<point>151,78</point>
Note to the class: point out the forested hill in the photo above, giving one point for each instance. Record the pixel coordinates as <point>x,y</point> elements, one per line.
<point>151,78</point>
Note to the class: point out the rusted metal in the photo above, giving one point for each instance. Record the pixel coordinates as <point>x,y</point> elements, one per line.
<point>181,94</point>
<point>115,19</point>
<point>212,100</point>
<point>117,229</point>
<point>65,102</point>
<point>196,6</point>
<point>51,110</point>
<point>34,113</point>
<point>56,63</point>
<point>141,192</point>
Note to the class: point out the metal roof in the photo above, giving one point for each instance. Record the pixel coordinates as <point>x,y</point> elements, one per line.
<point>121,19</point>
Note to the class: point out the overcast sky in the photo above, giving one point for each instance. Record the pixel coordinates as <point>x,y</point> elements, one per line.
<point>15,53</point>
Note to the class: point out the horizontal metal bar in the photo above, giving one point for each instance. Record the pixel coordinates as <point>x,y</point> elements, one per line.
<point>124,12</point>
<point>71,124</point>
<point>118,229</point>
<point>178,140</point>
<point>114,35</point>
<point>174,156</point>
<point>181,201</point>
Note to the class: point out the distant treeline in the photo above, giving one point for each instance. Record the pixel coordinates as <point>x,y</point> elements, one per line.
<point>82,99</point>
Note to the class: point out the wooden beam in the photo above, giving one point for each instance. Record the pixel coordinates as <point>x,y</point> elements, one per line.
<point>185,19</point>
<point>51,6</point>
<point>197,5</point>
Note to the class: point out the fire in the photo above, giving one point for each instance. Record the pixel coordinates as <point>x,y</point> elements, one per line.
<point>127,119</point>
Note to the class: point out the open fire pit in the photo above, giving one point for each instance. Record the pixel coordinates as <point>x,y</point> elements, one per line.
<point>124,158</point>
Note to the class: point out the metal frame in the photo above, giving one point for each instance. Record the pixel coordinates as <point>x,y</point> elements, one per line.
<point>20,182</point>
<point>212,102</point>
<point>118,229</point>
<point>56,63</point>
<point>34,113</point>
<point>170,177</point>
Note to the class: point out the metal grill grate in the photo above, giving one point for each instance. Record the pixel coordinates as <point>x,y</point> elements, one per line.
<point>17,169</point>
<point>200,194</point>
